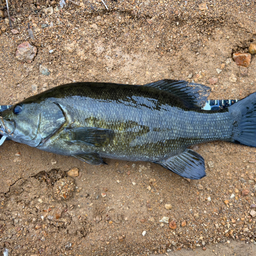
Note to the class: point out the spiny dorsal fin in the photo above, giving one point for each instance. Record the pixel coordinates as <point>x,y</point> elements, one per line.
<point>192,95</point>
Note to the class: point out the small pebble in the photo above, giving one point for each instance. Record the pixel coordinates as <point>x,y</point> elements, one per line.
<point>190,76</point>
<point>203,7</point>
<point>233,78</point>
<point>242,59</point>
<point>243,71</point>
<point>74,172</point>
<point>183,223</point>
<point>253,213</point>
<point>245,192</point>
<point>51,51</point>
<point>48,10</point>
<point>211,164</point>
<point>44,70</point>
<point>144,233</point>
<point>15,31</point>
<point>1,14</point>
<point>26,52</point>
<point>172,224</point>
<point>232,196</point>
<point>252,48</point>
<point>164,220</point>
<point>133,183</point>
<point>209,199</point>
<point>253,205</point>
<point>226,202</point>
<point>34,88</point>
<point>218,70</point>
<point>213,80</point>
<point>200,187</point>
<point>168,206</point>
<point>103,194</point>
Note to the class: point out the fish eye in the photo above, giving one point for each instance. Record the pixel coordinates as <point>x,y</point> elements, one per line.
<point>17,109</point>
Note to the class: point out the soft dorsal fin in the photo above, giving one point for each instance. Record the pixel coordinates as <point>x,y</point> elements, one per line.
<point>188,164</point>
<point>192,95</point>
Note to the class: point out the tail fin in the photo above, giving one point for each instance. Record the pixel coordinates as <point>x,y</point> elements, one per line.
<point>244,113</point>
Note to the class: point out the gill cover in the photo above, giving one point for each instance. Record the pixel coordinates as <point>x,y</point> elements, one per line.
<point>31,123</point>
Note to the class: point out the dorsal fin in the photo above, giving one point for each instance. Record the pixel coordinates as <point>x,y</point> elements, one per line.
<point>192,95</point>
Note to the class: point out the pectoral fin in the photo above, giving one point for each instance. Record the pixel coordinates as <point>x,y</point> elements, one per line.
<point>189,165</point>
<point>90,135</point>
<point>90,158</point>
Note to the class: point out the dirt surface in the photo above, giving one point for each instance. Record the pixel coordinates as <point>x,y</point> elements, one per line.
<point>116,209</point>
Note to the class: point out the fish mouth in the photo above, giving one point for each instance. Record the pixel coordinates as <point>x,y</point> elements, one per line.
<point>7,128</point>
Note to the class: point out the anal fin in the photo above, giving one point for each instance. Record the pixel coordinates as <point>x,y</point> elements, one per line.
<point>188,164</point>
<point>90,158</point>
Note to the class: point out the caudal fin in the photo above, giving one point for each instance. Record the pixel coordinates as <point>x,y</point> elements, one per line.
<point>244,113</point>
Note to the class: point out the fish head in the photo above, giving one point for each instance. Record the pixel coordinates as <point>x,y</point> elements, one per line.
<point>31,123</point>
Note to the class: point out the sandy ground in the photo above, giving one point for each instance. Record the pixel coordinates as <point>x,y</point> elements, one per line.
<point>116,209</point>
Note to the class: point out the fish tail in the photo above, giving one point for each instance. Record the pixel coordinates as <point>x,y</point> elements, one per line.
<point>244,121</point>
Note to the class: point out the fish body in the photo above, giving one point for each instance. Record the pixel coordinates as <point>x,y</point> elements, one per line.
<point>156,122</point>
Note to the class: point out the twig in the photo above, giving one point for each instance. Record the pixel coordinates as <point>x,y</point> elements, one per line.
<point>7,6</point>
<point>104,4</point>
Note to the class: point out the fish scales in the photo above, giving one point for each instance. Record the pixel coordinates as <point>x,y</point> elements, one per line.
<point>156,122</point>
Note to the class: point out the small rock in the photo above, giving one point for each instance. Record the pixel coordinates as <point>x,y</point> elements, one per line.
<point>203,7</point>
<point>209,199</point>
<point>243,71</point>
<point>233,78</point>
<point>53,162</point>
<point>103,194</point>
<point>48,10</point>
<point>190,76</point>
<point>228,61</point>
<point>144,233</point>
<point>148,188</point>
<point>1,14</point>
<point>74,172</point>
<point>44,70</point>
<point>245,192</point>
<point>200,187</point>
<point>226,202</point>
<point>213,80</point>
<point>242,59</point>
<point>252,48</point>
<point>218,70</point>
<point>232,196</point>
<point>164,220</point>
<point>253,205</point>
<point>183,223</point>
<point>236,190</point>
<point>168,206</point>
<point>172,224</point>
<point>51,51</point>
<point>26,52</point>
<point>211,164</point>
<point>133,183</point>
<point>34,88</point>
<point>253,213</point>
<point>15,31</point>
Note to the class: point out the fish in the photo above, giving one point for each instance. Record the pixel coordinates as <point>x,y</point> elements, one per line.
<point>157,122</point>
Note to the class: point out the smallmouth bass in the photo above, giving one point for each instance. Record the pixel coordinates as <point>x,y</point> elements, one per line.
<point>157,122</point>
